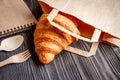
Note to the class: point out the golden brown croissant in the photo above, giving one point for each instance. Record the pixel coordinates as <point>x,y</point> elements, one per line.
<point>49,41</point>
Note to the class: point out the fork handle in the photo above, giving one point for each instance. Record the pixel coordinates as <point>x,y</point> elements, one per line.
<point>5,62</point>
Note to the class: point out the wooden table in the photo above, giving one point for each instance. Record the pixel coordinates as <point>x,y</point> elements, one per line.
<point>104,65</point>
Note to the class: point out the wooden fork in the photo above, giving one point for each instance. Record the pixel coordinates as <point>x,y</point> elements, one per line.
<point>18,58</point>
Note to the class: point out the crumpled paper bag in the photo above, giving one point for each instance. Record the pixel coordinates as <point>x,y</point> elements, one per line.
<point>99,20</point>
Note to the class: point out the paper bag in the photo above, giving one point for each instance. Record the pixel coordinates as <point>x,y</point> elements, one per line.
<point>99,20</point>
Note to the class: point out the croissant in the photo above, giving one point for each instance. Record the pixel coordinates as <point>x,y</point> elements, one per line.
<point>50,41</point>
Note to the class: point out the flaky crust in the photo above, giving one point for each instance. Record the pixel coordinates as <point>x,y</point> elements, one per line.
<point>50,41</point>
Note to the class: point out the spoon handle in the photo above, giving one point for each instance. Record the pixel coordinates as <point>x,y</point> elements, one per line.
<point>1,48</point>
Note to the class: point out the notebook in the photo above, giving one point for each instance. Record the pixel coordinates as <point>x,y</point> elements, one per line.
<point>15,17</point>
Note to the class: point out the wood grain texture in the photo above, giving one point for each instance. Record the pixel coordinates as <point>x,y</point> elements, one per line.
<point>104,65</point>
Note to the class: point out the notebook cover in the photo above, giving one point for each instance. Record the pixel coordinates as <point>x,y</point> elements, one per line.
<point>15,17</point>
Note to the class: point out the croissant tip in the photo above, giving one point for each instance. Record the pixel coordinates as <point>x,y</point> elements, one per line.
<point>46,58</point>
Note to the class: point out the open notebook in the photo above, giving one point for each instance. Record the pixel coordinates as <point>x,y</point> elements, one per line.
<point>15,17</point>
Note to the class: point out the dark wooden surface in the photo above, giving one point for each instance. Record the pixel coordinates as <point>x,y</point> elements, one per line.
<point>104,65</point>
